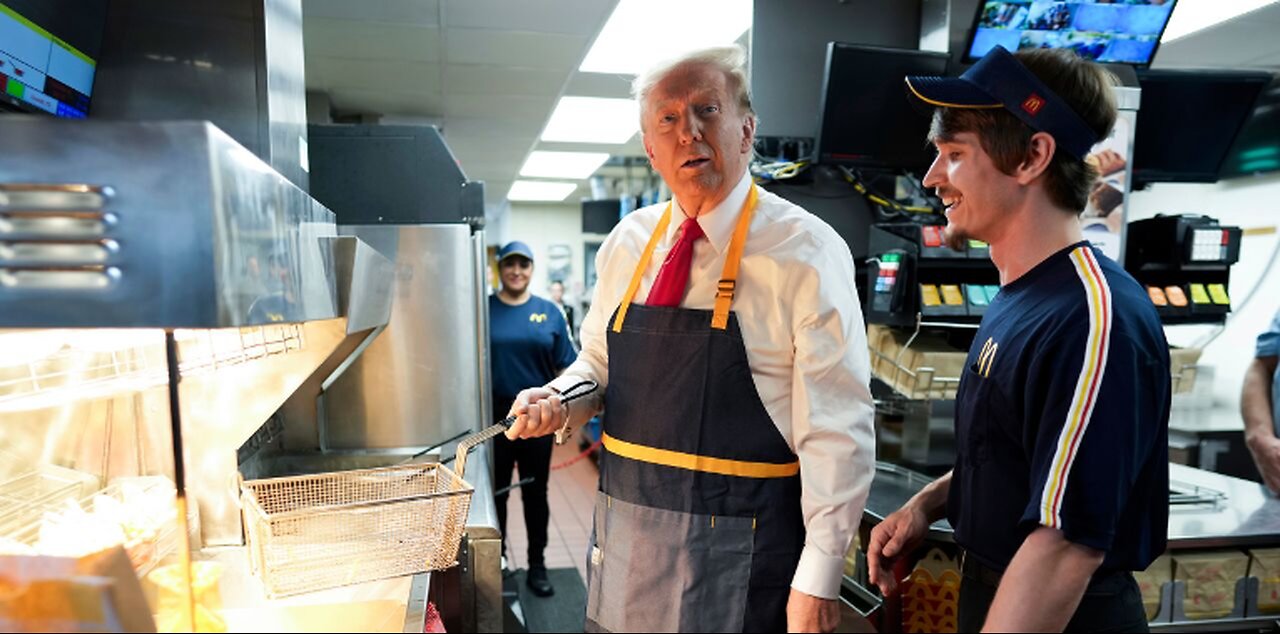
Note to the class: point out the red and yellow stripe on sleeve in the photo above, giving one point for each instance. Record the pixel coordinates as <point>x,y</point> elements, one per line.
<point>1087,386</point>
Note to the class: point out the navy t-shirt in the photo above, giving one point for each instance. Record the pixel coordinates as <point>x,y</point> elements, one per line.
<point>1062,416</point>
<point>529,345</point>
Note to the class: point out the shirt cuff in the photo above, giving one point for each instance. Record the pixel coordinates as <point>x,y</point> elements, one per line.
<point>563,382</point>
<point>818,574</point>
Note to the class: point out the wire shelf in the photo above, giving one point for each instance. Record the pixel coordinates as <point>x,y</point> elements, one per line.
<point>146,515</point>
<point>57,367</point>
<point>313,532</point>
<point>27,497</point>
<point>930,371</point>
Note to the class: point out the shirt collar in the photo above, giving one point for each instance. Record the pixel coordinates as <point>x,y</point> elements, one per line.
<point>718,223</point>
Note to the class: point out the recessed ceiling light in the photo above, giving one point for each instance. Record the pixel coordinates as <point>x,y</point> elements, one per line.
<point>540,190</point>
<point>593,120</point>
<point>1190,16</point>
<point>542,164</point>
<point>641,33</point>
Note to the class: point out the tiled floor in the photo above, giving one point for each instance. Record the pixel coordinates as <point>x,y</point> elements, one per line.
<point>571,496</point>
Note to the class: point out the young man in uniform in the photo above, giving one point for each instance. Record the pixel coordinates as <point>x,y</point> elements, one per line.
<point>1060,486</point>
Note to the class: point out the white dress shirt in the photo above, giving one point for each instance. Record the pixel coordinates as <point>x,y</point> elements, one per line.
<point>806,344</point>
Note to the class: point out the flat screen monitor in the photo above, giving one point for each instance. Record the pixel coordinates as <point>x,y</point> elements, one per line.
<point>867,119</point>
<point>599,216</point>
<point>1188,121</point>
<point>1257,147</point>
<point>1121,31</point>
<point>49,54</point>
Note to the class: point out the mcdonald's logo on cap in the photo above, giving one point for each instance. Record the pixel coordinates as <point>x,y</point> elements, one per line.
<point>1033,104</point>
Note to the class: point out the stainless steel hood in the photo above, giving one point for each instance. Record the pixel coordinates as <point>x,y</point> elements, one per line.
<point>168,224</point>
<point>172,226</point>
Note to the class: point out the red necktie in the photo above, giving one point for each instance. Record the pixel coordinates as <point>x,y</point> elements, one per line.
<point>669,288</point>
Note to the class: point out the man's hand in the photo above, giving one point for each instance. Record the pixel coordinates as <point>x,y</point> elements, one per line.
<point>538,412</point>
<point>899,533</point>
<point>807,613</point>
<point>1266,454</point>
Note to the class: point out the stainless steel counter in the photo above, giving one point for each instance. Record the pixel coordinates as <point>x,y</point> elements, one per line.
<point>1207,510</point>
<point>1246,515</point>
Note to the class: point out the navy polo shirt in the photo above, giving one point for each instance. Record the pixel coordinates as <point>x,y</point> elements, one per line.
<point>528,346</point>
<point>1062,416</point>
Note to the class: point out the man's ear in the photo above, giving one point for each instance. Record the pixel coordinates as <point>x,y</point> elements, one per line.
<point>748,133</point>
<point>648,149</point>
<point>1039,155</point>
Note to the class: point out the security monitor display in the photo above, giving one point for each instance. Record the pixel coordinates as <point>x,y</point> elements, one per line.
<point>1166,148</point>
<point>867,120</point>
<point>599,216</point>
<point>1257,148</point>
<point>48,54</point>
<point>1119,31</point>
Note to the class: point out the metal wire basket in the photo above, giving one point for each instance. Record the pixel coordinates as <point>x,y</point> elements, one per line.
<point>314,532</point>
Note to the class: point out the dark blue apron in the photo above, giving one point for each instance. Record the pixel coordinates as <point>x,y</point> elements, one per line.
<point>698,525</point>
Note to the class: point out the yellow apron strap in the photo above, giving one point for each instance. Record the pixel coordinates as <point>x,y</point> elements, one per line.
<point>694,462</point>
<point>640,268</point>
<point>729,277</point>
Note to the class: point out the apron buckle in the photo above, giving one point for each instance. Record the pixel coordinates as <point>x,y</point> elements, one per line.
<point>726,288</point>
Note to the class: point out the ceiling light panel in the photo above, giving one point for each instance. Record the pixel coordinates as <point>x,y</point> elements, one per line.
<point>641,33</point>
<point>593,120</point>
<point>541,164</point>
<point>1190,16</point>
<point>543,191</point>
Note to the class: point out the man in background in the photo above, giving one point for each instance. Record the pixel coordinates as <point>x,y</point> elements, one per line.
<point>1260,406</point>
<point>556,291</point>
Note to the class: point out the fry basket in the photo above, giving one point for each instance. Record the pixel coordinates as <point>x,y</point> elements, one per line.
<point>320,531</point>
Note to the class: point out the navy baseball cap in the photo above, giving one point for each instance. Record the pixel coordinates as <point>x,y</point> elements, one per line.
<point>515,247</point>
<point>999,80</point>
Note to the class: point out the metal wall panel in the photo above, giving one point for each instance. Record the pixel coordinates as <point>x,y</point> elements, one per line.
<point>235,63</point>
<point>418,383</point>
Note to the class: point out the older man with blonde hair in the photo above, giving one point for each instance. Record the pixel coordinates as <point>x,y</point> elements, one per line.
<point>738,434</point>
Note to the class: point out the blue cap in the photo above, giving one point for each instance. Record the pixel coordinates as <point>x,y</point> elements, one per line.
<point>515,247</point>
<point>999,80</point>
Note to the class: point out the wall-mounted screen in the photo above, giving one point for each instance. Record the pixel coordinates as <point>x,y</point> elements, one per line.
<point>49,54</point>
<point>867,120</point>
<point>1120,31</point>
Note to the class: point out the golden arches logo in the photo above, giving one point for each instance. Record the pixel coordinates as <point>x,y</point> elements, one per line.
<point>987,357</point>
<point>538,318</point>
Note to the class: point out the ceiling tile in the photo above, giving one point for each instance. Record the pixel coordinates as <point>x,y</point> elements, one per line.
<point>512,144</point>
<point>475,79</point>
<point>410,12</point>
<point>367,40</point>
<point>511,48</point>
<point>1224,46</point>
<point>633,147</point>
<point>599,85</point>
<point>1270,60</point>
<point>499,107</point>
<point>1269,14</point>
<point>575,17</point>
<point>483,127</point>
<point>349,74</point>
